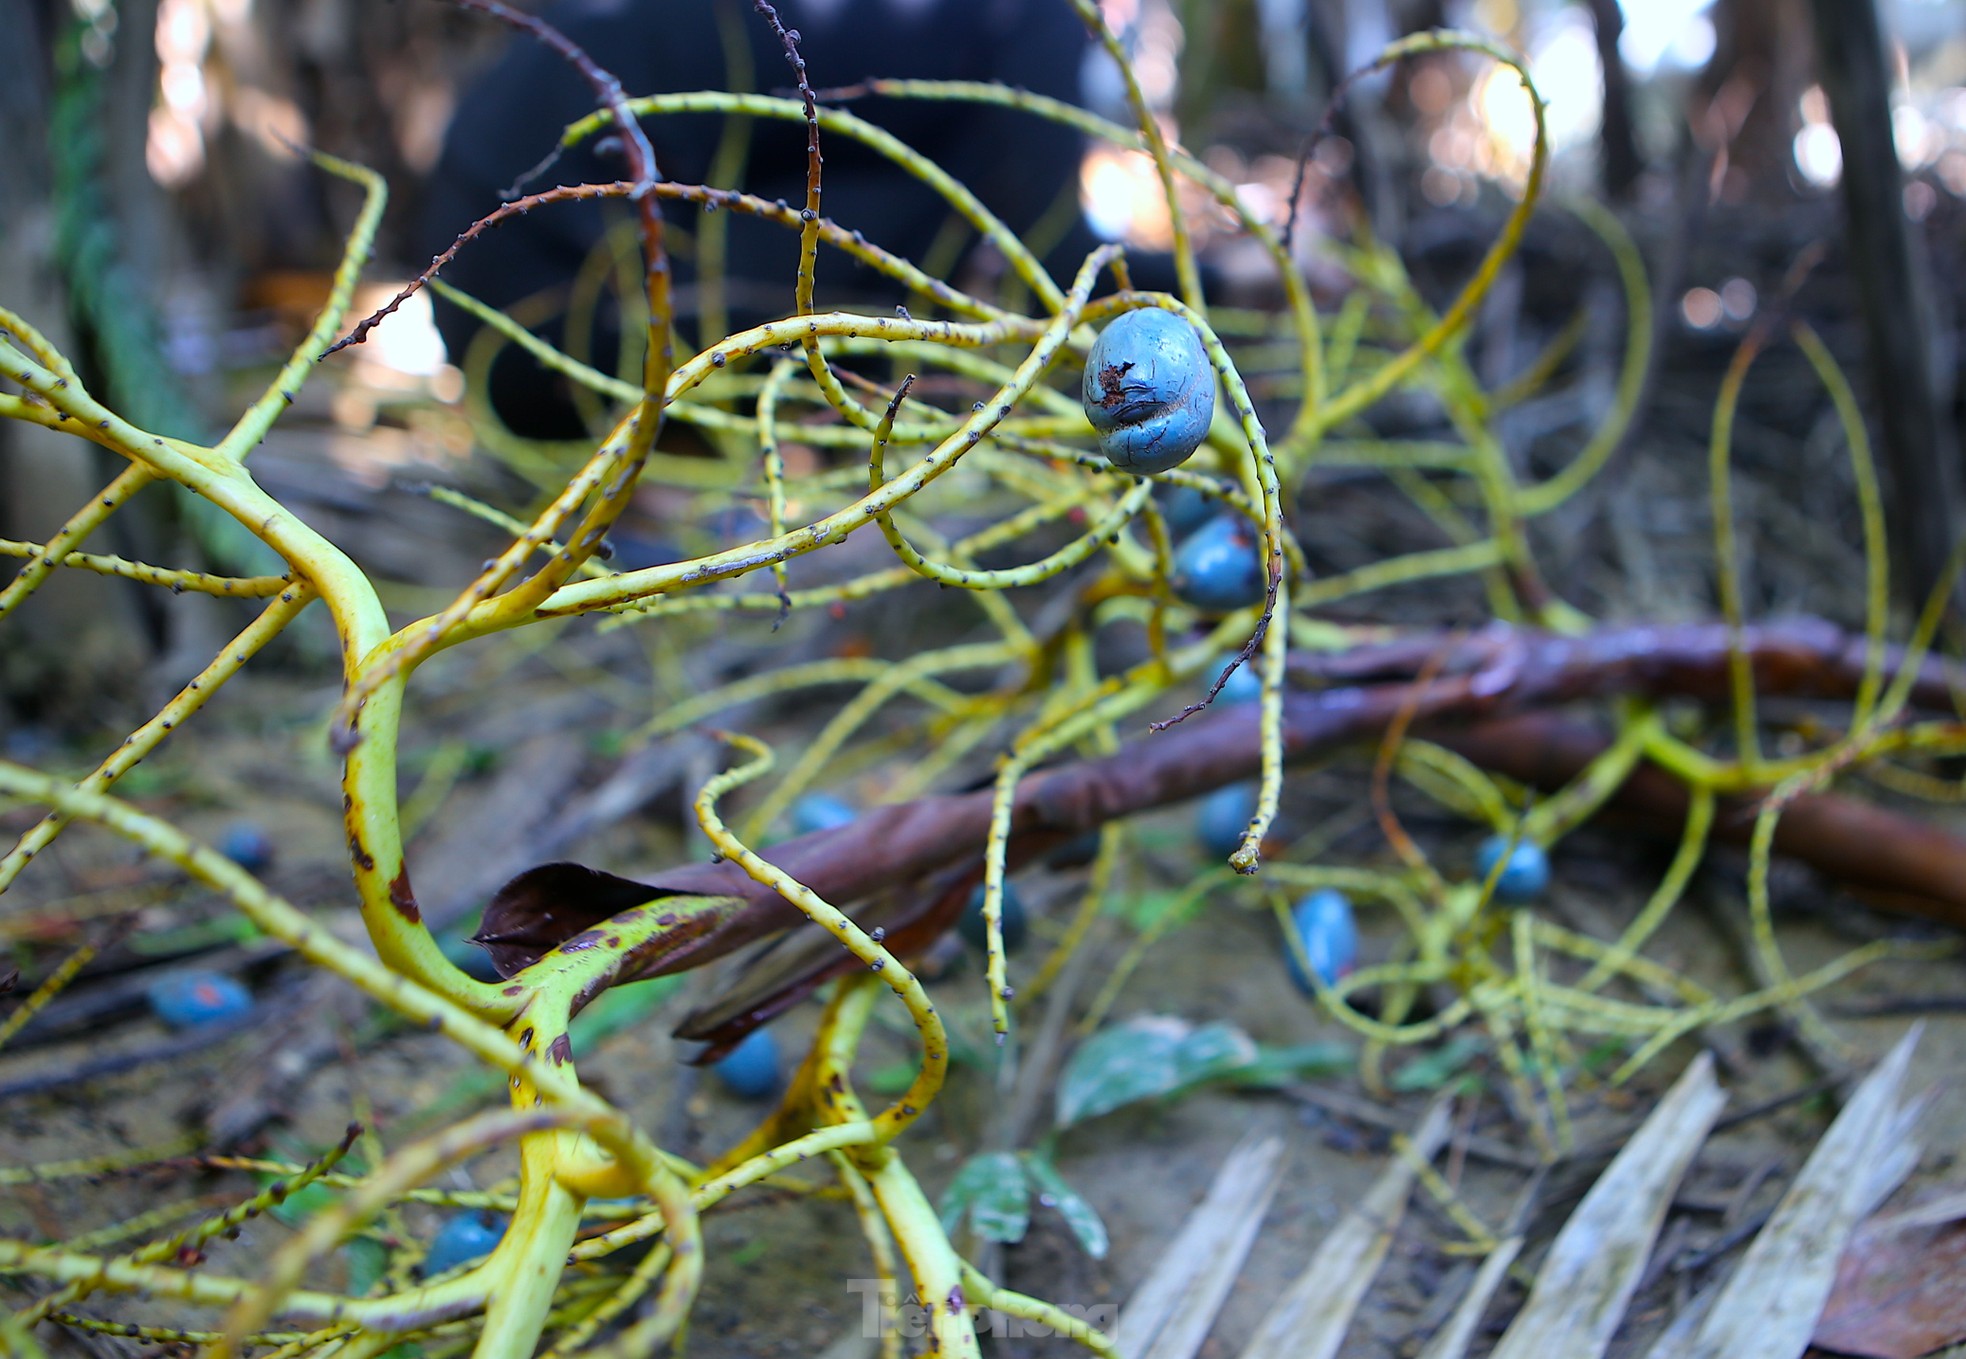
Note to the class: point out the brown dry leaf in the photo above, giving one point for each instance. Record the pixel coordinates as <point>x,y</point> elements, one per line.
<point>1900,1288</point>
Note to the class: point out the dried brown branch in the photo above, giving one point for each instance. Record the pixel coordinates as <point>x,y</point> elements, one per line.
<point>907,868</point>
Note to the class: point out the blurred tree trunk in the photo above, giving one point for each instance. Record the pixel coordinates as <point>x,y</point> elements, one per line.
<point>1909,388</point>
<point>1751,94</point>
<point>80,637</point>
<point>1617,137</point>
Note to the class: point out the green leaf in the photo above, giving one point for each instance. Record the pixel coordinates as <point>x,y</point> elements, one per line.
<point>1437,1068</point>
<point>304,1203</point>
<point>368,1260</point>
<point>1146,1058</point>
<point>1080,1216</point>
<point>893,1077</point>
<point>1281,1066</point>
<point>992,1190</point>
<point>1143,910</point>
<point>1210,1051</point>
<point>619,1008</point>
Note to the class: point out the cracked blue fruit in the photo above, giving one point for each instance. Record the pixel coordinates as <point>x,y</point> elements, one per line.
<point>1329,933</point>
<point>820,812</point>
<point>1014,920</point>
<point>248,845</point>
<point>1223,816</point>
<point>197,1000</point>
<point>1220,568</point>
<point>1524,878</point>
<point>462,1239</point>
<point>1149,390</point>
<point>751,1070</point>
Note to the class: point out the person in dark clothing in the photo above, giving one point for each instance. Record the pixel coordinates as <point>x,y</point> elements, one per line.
<point>1019,165</point>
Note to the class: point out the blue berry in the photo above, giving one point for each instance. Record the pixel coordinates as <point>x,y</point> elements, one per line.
<point>1524,878</point>
<point>1223,816</point>
<point>248,845</point>
<point>1220,568</point>
<point>1013,920</point>
<point>751,1069</point>
<point>1184,508</point>
<point>1243,685</point>
<point>196,1000</point>
<point>820,812</point>
<point>1075,852</point>
<point>1329,934</point>
<point>1148,390</point>
<point>464,1238</point>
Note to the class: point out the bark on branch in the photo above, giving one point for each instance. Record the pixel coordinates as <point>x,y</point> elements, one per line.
<point>908,868</point>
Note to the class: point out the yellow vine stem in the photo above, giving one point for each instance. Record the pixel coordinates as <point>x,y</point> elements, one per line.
<point>1544,1043</point>
<point>775,683</point>
<point>142,1224</point>
<point>90,1167</point>
<point>146,738</point>
<point>251,427</point>
<point>53,985</point>
<point>497,518</point>
<point>1692,847</point>
<point>1727,582</point>
<point>890,1122</point>
<point>1870,504</point>
<point>983,1293</point>
<point>1272,640</point>
<point>836,122</point>
<point>748,1171</point>
<point>1453,781</point>
<point>77,529</point>
<point>1105,863</point>
<point>1184,250</point>
<point>388,663</point>
<point>144,573</point>
<point>216,475</point>
<point>1073,720</point>
<point>909,676</point>
<point>543,1152</point>
<point>696,473</point>
<point>916,1229</point>
<point>1034,573</point>
<point>1367,390</point>
<point>774,457</point>
<point>1297,298</point>
<point>169,1247</point>
<point>1542,369</point>
<point>1922,634</point>
<point>37,345</point>
<point>1581,799</point>
<point>1583,469</point>
<point>610,462</point>
<point>631,1342</point>
<point>880,1246</point>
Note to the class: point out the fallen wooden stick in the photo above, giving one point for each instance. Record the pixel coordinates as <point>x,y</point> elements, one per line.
<point>1486,695</point>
